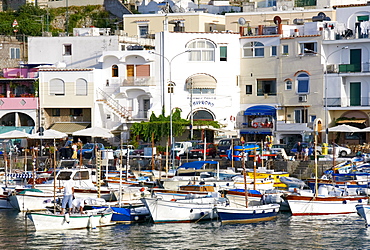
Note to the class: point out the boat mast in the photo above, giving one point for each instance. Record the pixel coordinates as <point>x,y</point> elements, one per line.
<point>315,154</point>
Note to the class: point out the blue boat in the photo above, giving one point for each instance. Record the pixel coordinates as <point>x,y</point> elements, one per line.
<point>129,214</point>
<point>251,214</point>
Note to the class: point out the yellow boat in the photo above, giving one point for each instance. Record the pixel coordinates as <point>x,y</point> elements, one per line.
<point>263,174</point>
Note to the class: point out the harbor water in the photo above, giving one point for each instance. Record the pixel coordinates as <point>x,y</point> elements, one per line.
<point>286,232</point>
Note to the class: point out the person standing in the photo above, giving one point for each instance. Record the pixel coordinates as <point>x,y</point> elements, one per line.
<point>299,151</point>
<point>74,148</point>
<point>68,195</point>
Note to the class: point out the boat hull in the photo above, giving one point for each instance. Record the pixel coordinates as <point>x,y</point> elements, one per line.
<point>306,205</point>
<point>364,211</point>
<point>31,201</point>
<point>251,214</point>
<point>181,210</point>
<point>44,221</point>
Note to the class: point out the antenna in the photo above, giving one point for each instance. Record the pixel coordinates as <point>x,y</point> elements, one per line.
<point>277,20</point>
<point>241,21</point>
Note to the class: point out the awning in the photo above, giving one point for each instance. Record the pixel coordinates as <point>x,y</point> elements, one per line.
<point>69,127</point>
<point>261,110</point>
<point>196,164</point>
<point>258,132</point>
<point>351,121</point>
<point>201,81</point>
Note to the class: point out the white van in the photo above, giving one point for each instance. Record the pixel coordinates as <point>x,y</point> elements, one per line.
<point>182,148</point>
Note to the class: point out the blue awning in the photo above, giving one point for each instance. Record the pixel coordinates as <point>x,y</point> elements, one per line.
<point>253,131</point>
<point>196,164</point>
<point>261,110</point>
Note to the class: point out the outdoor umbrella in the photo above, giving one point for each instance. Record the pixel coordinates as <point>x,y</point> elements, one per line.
<point>365,129</point>
<point>94,132</point>
<point>345,128</point>
<point>49,134</point>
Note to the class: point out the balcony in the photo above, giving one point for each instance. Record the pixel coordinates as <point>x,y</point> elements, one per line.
<point>138,81</point>
<point>349,102</point>
<point>19,103</point>
<point>348,68</point>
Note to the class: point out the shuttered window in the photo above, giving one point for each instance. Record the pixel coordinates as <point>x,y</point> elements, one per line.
<point>142,70</point>
<point>130,70</point>
<point>56,87</point>
<point>223,53</point>
<point>81,87</point>
<point>114,71</point>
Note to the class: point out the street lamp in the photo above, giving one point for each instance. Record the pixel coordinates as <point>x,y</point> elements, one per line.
<point>170,85</point>
<point>326,58</point>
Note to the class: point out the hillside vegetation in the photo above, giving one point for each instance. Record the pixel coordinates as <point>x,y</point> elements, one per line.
<point>32,20</point>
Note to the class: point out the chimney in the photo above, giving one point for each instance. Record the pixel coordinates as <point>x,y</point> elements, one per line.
<point>260,29</point>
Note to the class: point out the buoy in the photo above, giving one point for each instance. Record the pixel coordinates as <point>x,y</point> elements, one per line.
<point>90,223</point>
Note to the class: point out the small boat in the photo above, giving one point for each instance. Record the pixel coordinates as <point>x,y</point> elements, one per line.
<point>183,210</point>
<point>292,182</point>
<point>364,211</point>
<point>92,219</point>
<point>250,214</point>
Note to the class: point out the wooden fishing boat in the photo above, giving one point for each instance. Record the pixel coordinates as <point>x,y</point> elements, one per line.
<point>250,214</point>
<point>92,219</point>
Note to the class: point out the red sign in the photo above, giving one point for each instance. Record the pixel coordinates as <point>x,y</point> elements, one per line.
<point>15,23</point>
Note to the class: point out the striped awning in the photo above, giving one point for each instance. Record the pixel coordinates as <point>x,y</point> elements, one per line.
<point>201,81</point>
<point>69,127</point>
<point>351,121</point>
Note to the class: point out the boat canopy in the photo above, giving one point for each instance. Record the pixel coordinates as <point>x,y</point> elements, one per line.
<point>196,164</point>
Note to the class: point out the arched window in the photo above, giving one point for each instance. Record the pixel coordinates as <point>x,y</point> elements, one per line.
<point>253,49</point>
<point>114,71</point>
<point>288,84</point>
<point>56,87</point>
<point>201,50</point>
<point>81,87</point>
<point>303,83</point>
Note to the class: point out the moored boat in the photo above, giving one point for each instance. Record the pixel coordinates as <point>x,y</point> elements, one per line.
<point>364,211</point>
<point>248,214</point>
<point>92,219</point>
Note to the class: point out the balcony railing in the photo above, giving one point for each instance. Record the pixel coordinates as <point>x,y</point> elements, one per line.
<point>348,68</point>
<point>138,81</point>
<point>349,102</point>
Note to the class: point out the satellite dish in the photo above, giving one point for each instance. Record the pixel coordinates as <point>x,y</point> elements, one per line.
<point>241,21</point>
<point>175,9</point>
<point>277,20</point>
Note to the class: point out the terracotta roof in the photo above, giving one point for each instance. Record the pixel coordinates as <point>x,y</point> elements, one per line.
<point>55,69</point>
<point>260,36</point>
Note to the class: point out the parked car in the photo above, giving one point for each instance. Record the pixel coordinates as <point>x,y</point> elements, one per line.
<point>340,150</point>
<point>225,144</point>
<point>123,150</point>
<point>88,149</point>
<point>198,150</point>
<point>139,151</point>
<point>182,148</point>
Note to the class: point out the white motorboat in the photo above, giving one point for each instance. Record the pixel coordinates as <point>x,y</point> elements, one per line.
<point>32,200</point>
<point>92,219</point>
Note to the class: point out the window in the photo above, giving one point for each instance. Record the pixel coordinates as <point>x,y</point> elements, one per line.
<point>201,50</point>
<point>308,48</point>
<point>76,112</point>
<point>300,116</point>
<point>56,87</point>
<point>223,53</point>
<point>285,50</point>
<point>312,118</point>
<point>114,71</point>
<point>303,83</point>
<point>253,49</point>
<point>362,18</point>
<point>15,53</point>
<point>288,85</point>
<point>81,87</point>
<point>266,86</point>
<point>55,112</point>
<point>143,30</point>
<point>67,49</point>
<point>248,89</point>
<point>273,50</point>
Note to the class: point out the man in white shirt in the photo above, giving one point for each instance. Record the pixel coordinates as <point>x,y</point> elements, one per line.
<point>68,195</point>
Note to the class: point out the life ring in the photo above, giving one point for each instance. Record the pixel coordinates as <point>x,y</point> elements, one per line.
<point>255,125</point>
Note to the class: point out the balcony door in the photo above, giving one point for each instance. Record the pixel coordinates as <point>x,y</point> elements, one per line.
<point>355,93</point>
<point>355,59</point>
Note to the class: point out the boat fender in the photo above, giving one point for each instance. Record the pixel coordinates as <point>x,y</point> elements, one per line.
<point>66,217</point>
<point>344,202</point>
<point>360,201</point>
<point>201,213</point>
<point>263,211</point>
<point>142,189</point>
<point>103,220</point>
<point>191,210</point>
<point>173,199</point>
<point>90,223</point>
<point>136,218</point>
